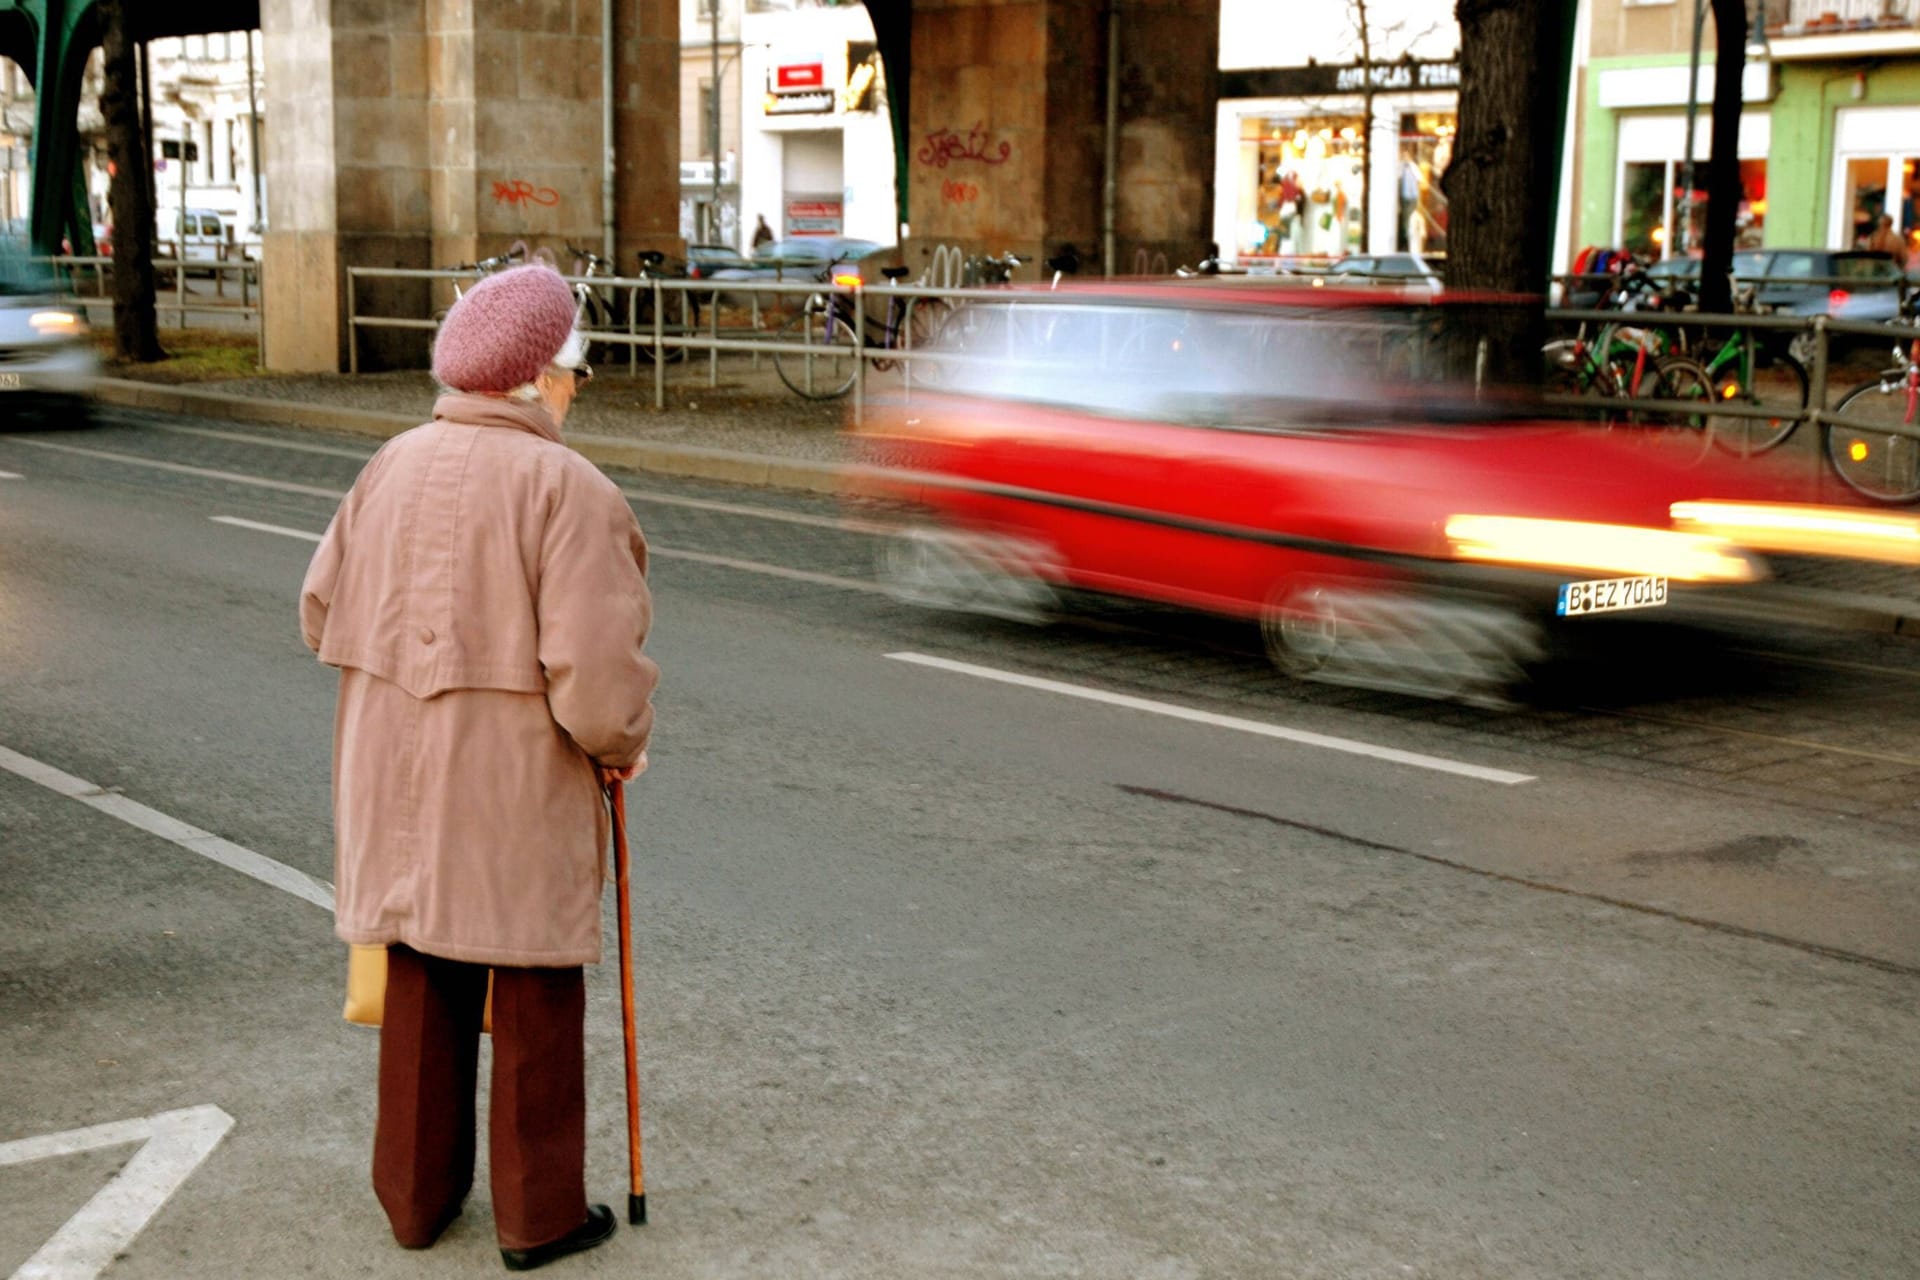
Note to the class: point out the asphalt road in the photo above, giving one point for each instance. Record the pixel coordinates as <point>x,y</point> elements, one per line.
<point>943,974</point>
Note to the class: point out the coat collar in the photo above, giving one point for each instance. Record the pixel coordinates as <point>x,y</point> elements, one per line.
<point>470,410</point>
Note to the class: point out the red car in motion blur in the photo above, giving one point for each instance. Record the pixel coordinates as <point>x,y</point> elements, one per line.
<point>1289,456</point>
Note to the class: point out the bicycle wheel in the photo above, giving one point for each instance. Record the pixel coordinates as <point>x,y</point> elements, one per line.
<point>1684,433</point>
<point>643,330</point>
<point>818,361</point>
<point>1778,386</point>
<point>1872,453</point>
<point>596,315</point>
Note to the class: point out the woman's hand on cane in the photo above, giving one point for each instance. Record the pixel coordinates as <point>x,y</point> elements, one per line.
<point>625,774</point>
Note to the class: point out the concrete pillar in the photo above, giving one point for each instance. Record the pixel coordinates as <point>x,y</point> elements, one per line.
<point>416,133</point>
<point>1008,129</point>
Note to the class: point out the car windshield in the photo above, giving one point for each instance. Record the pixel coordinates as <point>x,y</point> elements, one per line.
<point>1258,368</point>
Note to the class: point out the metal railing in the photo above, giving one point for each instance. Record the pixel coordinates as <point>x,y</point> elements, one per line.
<point>73,272</point>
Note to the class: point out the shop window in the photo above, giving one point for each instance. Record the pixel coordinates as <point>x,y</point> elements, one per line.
<point>1426,147</point>
<point>1643,214</point>
<point>1866,195</point>
<point>1657,219</point>
<point>1308,184</point>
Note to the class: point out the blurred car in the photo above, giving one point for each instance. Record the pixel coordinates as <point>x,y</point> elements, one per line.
<point>801,258</point>
<point>1386,268</point>
<point>705,259</point>
<point>48,366</point>
<point>1280,456</point>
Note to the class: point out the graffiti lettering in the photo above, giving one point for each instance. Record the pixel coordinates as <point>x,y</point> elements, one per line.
<point>958,192</point>
<point>520,191</point>
<point>944,146</point>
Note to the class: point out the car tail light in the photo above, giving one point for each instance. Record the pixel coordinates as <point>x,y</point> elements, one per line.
<point>1838,299</point>
<point>693,271</point>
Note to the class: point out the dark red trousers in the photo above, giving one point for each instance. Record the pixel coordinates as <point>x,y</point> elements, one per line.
<point>423,1143</point>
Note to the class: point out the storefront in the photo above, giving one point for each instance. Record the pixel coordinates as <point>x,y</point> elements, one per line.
<point>1298,148</point>
<point>1652,213</point>
<point>816,141</point>
<point>1876,171</point>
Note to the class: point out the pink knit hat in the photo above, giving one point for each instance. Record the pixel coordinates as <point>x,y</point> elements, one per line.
<point>504,331</point>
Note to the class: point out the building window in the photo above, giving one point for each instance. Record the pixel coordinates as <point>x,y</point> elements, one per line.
<point>1305,198</point>
<point>1426,148</point>
<point>1656,219</point>
<point>709,135</point>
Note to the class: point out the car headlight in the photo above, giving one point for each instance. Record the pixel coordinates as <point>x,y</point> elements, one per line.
<point>1810,530</point>
<point>54,322</point>
<point>1579,545</point>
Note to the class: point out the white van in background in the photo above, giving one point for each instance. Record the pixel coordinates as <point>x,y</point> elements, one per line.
<point>202,235</point>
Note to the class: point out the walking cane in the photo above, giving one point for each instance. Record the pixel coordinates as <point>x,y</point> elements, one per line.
<point>637,1192</point>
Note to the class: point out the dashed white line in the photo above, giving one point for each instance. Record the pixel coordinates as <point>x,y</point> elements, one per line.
<point>188,837</point>
<point>259,527</point>
<point>11,475</point>
<point>179,468</point>
<point>1325,742</point>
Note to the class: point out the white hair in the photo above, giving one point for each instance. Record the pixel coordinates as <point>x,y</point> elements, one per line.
<point>571,355</point>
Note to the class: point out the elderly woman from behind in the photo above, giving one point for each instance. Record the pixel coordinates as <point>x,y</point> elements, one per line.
<point>482,590</point>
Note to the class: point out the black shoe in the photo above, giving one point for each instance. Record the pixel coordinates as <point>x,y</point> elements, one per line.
<point>597,1229</point>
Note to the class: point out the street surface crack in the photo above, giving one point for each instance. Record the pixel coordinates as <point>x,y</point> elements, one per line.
<point>1541,886</point>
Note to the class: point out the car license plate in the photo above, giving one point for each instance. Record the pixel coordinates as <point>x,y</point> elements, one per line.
<point>9,382</point>
<point>1610,594</point>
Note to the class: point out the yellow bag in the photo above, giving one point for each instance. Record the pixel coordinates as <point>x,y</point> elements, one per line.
<point>367,987</point>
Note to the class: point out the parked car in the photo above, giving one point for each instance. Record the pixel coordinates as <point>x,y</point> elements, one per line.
<point>800,258</point>
<point>703,260</point>
<point>1388,269</point>
<point>48,366</point>
<point>1272,454</point>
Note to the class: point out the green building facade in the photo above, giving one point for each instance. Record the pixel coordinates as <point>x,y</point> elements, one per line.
<point>1827,145</point>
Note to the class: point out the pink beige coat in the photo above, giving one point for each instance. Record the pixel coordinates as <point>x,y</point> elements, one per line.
<point>482,590</point>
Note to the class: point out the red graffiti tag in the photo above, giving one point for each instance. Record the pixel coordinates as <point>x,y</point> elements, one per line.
<point>944,146</point>
<point>958,192</point>
<point>520,191</point>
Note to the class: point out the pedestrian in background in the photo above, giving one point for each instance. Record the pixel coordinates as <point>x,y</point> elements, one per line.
<point>482,590</point>
<point>1886,240</point>
<point>762,233</point>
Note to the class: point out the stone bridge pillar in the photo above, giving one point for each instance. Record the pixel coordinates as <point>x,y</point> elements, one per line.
<point>416,133</point>
<point>1008,134</point>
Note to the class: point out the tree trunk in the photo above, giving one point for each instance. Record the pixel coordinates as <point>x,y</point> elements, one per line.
<point>1723,162</point>
<point>1501,184</point>
<point>135,326</point>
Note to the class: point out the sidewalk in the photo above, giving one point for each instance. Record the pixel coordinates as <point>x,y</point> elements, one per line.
<point>751,430</point>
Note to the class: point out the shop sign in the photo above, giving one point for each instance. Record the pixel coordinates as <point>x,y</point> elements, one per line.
<point>1301,82</point>
<point>809,216</point>
<point>790,77</point>
<point>796,104</point>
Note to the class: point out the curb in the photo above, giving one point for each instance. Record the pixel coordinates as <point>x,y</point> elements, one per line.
<point>692,462</point>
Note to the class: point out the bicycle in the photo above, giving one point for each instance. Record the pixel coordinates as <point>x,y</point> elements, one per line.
<point>485,267</point>
<point>1617,362</point>
<point>653,266</point>
<point>1881,461</point>
<point>597,310</point>
<point>1742,368</point>
<point>818,358</point>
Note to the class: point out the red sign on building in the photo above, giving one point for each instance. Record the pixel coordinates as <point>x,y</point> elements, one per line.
<point>800,75</point>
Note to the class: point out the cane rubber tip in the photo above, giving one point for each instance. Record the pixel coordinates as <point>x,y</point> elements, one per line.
<point>637,1210</point>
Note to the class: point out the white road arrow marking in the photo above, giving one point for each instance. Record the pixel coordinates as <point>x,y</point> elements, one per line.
<point>174,1144</point>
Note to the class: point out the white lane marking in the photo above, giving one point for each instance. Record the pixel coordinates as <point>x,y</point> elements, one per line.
<point>770,570</point>
<point>663,553</point>
<point>240,437</point>
<point>1438,764</point>
<point>258,527</point>
<point>175,1144</point>
<point>11,475</point>
<point>776,515</point>
<point>178,468</point>
<point>191,838</point>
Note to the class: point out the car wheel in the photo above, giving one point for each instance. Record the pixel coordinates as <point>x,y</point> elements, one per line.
<point>1301,630</point>
<point>965,572</point>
